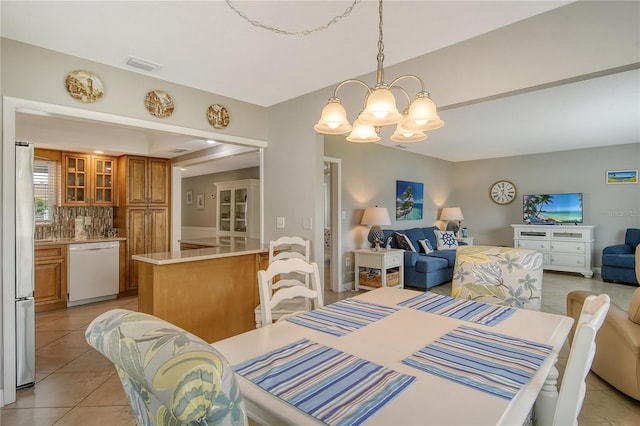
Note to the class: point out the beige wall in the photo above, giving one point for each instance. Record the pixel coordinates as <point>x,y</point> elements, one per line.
<point>206,184</point>
<point>611,208</point>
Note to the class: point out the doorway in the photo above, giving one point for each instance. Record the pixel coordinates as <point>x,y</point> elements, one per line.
<point>333,224</point>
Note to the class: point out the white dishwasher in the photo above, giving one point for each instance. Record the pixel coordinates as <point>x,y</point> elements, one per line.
<point>94,270</point>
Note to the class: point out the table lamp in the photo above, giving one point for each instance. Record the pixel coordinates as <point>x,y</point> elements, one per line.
<point>452,213</point>
<point>375,216</point>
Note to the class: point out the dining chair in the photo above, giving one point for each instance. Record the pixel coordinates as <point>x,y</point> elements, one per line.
<point>276,297</point>
<point>573,389</point>
<point>281,249</point>
<point>296,247</point>
<point>170,376</point>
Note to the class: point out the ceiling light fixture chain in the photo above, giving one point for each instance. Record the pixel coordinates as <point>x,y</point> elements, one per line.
<point>380,108</point>
<point>255,23</point>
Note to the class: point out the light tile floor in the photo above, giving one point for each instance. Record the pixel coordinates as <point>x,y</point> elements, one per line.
<point>75,385</point>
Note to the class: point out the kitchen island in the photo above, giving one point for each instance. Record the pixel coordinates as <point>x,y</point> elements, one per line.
<point>211,292</point>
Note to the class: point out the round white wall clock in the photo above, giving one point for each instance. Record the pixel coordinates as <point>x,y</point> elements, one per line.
<point>502,192</point>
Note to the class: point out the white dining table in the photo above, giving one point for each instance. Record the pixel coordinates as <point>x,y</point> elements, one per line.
<point>430,399</point>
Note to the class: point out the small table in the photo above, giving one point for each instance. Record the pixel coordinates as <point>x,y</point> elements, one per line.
<point>384,260</point>
<point>467,240</point>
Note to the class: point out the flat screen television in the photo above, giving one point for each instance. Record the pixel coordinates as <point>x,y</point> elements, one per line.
<point>549,209</point>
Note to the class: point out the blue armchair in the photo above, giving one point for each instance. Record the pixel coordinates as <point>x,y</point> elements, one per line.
<point>618,261</point>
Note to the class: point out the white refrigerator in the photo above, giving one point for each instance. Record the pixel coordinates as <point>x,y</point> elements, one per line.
<point>25,304</point>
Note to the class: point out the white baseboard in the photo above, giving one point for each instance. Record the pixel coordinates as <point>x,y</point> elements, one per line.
<point>190,232</point>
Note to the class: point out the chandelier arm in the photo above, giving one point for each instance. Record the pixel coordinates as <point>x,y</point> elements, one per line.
<point>415,77</point>
<point>406,95</point>
<point>353,80</point>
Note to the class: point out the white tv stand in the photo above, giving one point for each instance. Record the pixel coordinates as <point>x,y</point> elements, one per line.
<point>567,248</point>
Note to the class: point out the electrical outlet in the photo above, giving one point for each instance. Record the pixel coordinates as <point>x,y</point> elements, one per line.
<point>347,262</point>
<point>280,222</point>
<point>87,220</point>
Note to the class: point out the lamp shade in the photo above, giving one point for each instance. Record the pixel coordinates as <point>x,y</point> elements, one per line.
<point>333,120</point>
<point>451,213</point>
<point>405,135</point>
<point>381,108</point>
<point>363,133</point>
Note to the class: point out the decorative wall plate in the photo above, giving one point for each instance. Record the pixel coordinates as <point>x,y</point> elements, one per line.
<point>159,103</point>
<point>218,116</point>
<point>84,86</point>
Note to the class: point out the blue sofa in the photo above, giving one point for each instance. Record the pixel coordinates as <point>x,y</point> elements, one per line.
<point>619,262</point>
<point>423,270</point>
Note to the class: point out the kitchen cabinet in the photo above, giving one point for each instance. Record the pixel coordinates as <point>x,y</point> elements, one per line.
<point>50,278</point>
<point>145,181</point>
<point>143,213</point>
<point>88,180</point>
<point>238,208</point>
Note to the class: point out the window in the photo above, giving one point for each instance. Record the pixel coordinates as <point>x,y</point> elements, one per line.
<point>44,189</point>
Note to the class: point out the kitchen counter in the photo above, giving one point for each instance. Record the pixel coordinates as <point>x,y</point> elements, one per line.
<point>211,292</point>
<point>217,247</point>
<point>74,241</point>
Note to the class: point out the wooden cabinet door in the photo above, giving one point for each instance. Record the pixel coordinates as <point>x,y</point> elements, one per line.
<point>103,181</point>
<point>157,230</point>
<point>50,278</point>
<point>76,179</point>
<point>158,181</point>
<point>136,181</point>
<point>136,241</point>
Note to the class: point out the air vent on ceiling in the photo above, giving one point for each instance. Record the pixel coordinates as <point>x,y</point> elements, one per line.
<point>142,64</point>
<point>179,150</point>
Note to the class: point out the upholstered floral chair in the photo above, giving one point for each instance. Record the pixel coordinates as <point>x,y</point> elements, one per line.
<point>170,376</point>
<point>500,275</point>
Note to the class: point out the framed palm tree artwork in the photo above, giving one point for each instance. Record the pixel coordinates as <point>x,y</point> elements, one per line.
<point>409,199</point>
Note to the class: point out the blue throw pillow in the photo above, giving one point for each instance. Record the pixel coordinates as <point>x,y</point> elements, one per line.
<point>403,242</point>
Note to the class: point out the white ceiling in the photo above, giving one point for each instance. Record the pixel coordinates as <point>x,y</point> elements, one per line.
<point>204,44</point>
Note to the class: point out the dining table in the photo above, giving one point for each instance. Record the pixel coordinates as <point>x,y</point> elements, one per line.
<point>395,356</point>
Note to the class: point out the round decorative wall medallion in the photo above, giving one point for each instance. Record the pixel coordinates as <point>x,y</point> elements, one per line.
<point>502,192</point>
<point>159,103</point>
<point>218,116</point>
<point>84,86</point>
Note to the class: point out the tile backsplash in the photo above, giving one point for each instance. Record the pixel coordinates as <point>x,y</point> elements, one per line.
<point>98,222</point>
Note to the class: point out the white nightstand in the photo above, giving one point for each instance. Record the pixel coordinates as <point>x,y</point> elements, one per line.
<point>385,260</point>
<point>467,240</point>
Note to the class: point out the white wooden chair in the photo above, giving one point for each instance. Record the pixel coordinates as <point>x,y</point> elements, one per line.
<point>276,298</point>
<point>296,247</point>
<point>573,389</point>
<point>281,249</point>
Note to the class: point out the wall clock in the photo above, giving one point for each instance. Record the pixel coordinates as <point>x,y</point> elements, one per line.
<point>502,192</point>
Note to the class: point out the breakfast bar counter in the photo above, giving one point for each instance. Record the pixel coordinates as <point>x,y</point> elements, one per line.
<point>211,292</point>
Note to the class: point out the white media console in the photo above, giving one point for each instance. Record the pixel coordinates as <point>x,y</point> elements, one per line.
<point>567,248</point>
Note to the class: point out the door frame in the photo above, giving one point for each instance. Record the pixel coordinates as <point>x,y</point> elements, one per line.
<point>336,223</point>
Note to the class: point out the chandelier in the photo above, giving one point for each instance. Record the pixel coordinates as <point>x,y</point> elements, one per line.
<point>379,109</point>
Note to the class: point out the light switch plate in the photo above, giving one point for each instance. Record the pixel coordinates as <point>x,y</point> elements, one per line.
<point>307,223</point>
<point>87,220</point>
<point>280,222</point>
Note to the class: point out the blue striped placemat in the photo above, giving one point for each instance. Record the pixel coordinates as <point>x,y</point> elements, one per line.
<point>332,386</point>
<point>343,317</point>
<point>491,362</point>
<point>467,310</point>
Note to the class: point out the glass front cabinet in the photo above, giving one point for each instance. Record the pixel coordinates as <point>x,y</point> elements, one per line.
<point>238,208</point>
<point>88,180</point>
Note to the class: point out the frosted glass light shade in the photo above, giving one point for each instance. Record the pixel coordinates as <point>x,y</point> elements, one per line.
<point>381,108</point>
<point>405,135</point>
<point>363,133</point>
<point>333,120</point>
<point>423,114</point>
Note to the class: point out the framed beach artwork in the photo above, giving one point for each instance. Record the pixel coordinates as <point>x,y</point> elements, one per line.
<point>622,176</point>
<point>409,197</point>
<point>200,201</point>
<point>189,198</point>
